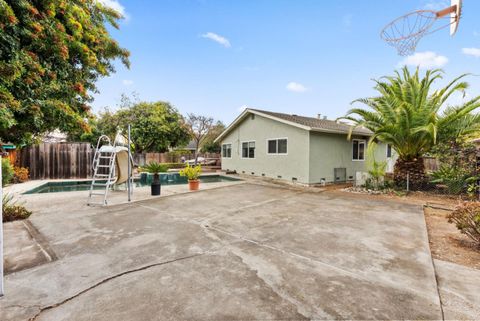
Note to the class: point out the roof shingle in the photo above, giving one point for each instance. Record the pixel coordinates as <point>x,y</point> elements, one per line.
<point>317,124</point>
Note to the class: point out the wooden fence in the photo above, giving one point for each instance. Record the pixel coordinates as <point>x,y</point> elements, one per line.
<point>74,160</point>
<point>57,160</point>
<point>431,164</point>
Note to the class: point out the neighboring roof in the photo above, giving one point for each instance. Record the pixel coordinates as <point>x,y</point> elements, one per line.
<point>303,122</point>
<point>190,146</point>
<point>55,136</point>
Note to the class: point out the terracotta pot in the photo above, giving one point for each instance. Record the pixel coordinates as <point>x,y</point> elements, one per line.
<point>193,184</point>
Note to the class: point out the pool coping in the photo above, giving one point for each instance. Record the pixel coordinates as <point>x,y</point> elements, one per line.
<point>22,188</point>
<point>33,190</point>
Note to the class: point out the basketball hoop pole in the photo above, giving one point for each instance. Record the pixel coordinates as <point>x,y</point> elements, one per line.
<point>444,12</point>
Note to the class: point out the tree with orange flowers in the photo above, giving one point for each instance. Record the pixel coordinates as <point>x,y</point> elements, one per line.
<point>52,52</point>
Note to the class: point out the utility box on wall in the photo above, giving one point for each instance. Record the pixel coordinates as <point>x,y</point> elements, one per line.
<point>340,175</point>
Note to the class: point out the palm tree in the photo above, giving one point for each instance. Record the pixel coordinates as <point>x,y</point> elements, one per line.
<point>407,114</point>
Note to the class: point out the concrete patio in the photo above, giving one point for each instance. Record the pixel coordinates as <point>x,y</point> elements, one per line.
<point>238,252</point>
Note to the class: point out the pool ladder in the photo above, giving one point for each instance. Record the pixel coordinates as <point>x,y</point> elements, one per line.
<point>105,180</point>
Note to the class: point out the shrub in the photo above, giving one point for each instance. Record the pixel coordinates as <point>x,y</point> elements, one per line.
<point>154,168</point>
<point>20,174</point>
<point>455,178</point>
<point>191,172</point>
<point>7,171</point>
<point>377,173</point>
<point>467,219</point>
<point>174,165</point>
<point>13,211</point>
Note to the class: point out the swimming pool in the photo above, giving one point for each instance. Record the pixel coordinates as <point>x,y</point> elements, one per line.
<point>145,180</point>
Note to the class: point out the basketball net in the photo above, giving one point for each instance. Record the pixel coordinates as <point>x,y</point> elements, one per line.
<point>405,32</point>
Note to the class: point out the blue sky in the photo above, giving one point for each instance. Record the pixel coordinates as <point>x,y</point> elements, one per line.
<point>304,57</point>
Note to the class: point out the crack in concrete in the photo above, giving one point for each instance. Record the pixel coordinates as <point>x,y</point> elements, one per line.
<point>341,270</point>
<point>271,280</point>
<point>142,268</point>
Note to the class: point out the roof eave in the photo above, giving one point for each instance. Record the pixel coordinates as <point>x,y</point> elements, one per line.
<point>332,131</point>
<point>256,112</point>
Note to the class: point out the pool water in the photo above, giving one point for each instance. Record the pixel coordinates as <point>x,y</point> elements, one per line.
<point>145,180</point>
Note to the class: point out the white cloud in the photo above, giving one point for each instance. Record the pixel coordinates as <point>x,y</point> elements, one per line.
<point>458,99</point>
<point>436,5</point>
<point>427,59</point>
<point>127,82</point>
<point>217,38</point>
<point>475,52</point>
<point>115,5</point>
<point>296,87</point>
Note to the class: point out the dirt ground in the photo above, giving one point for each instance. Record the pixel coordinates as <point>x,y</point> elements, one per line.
<point>447,243</point>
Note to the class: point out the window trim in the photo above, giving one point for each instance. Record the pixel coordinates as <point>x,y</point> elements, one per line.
<point>254,151</point>
<point>231,148</point>
<point>277,153</point>
<point>364,142</point>
<point>391,151</point>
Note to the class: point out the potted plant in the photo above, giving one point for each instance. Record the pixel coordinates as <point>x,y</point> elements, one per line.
<point>155,169</point>
<point>192,173</point>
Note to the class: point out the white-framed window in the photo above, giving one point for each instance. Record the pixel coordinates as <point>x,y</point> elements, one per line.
<point>227,150</point>
<point>389,151</point>
<point>358,150</point>
<point>248,149</point>
<point>277,146</point>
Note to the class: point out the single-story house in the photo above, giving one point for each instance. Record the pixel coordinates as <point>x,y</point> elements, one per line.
<point>307,150</point>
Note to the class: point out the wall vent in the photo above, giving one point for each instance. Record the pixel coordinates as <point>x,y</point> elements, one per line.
<point>253,173</point>
<point>279,176</point>
<point>294,179</point>
<point>263,174</point>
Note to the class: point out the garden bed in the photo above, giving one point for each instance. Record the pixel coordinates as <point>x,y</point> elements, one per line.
<point>446,241</point>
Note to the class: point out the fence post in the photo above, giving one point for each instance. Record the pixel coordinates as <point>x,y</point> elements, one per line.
<point>408,182</point>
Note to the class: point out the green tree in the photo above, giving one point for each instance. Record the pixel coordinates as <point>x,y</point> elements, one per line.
<point>407,114</point>
<point>209,145</point>
<point>51,54</point>
<point>155,127</point>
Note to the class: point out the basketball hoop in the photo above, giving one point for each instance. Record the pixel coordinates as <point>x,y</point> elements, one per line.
<point>405,32</point>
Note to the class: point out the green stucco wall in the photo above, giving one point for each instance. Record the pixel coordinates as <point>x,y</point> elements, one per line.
<point>312,156</point>
<point>259,129</point>
<point>330,151</point>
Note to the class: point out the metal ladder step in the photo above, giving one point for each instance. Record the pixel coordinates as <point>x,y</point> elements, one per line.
<point>97,203</point>
<point>100,184</point>
<point>96,193</point>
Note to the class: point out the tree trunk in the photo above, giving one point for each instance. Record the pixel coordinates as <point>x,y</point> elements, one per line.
<point>413,169</point>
